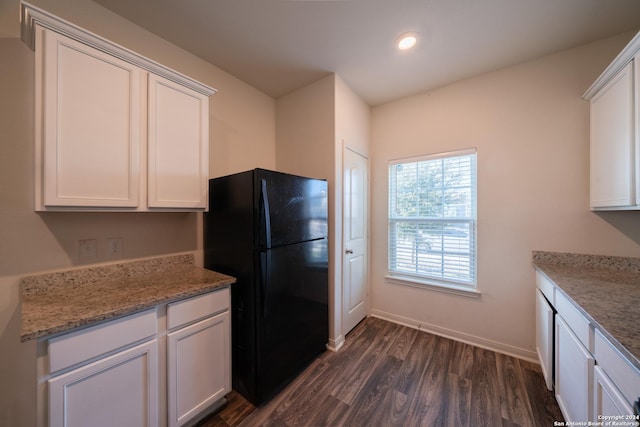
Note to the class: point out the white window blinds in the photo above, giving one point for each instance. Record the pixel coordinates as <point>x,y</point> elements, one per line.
<point>432,218</point>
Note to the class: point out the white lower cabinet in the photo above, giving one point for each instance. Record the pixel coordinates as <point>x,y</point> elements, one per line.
<point>198,361</point>
<point>119,390</point>
<point>544,337</point>
<point>104,375</point>
<point>616,381</point>
<point>198,355</point>
<point>574,374</point>
<point>110,374</point>
<point>592,377</point>
<point>607,399</point>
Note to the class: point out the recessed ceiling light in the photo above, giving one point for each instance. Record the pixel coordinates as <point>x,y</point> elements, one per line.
<point>407,41</point>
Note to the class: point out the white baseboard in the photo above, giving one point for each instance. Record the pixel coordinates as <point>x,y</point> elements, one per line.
<point>509,350</point>
<point>335,343</point>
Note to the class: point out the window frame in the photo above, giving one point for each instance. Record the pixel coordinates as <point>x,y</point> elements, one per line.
<point>463,287</point>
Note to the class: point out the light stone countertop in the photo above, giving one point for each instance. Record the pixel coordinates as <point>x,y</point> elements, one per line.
<point>606,290</point>
<point>63,301</point>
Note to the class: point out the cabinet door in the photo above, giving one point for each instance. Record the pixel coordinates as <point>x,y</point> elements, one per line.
<point>119,390</point>
<point>607,399</point>
<point>90,150</point>
<point>544,337</point>
<point>574,374</point>
<point>612,143</point>
<point>199,359</point>
<point>178,146</point>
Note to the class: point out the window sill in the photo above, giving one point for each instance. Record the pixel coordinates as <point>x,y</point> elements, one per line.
<point>448,288</point>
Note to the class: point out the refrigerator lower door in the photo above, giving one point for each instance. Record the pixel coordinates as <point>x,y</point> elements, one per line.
<point>292,318</point>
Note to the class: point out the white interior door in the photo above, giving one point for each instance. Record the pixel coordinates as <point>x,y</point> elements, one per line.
<point>355,239</point>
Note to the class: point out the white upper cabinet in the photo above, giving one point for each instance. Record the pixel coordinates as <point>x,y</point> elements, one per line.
<point>178,147</point>
<point>90,150</point>
<point>612,143</point>
<point>615,133</point>
<point>114,130</point>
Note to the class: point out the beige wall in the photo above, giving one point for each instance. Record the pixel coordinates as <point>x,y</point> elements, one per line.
<point>531,130</point>
<point>242,136</point>
<point>353,119</point>
<point>305,123</point>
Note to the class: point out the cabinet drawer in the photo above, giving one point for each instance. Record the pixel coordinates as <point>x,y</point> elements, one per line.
<point>76,347</point>
<point>576,321</point>
<point>625,376</point>
<point>546,287</point>
<point>196,308</point>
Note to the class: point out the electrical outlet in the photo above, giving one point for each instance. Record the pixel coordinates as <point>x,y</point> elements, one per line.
<point>114,247</point>
<point>87,250</point>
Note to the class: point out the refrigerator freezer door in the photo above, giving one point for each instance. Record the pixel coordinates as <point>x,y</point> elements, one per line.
<point>293,318</point>
<point>292,209</point>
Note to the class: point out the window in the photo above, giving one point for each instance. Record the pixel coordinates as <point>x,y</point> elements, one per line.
<point>432,219</point>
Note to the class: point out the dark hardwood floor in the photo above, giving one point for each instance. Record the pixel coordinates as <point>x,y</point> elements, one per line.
<point>391,375</point>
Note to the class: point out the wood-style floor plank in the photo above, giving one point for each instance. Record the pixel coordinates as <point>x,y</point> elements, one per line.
<point>303,386</point>
<point>514,405</point>
<point>415,363</point>
<point>374,391</point>
<point>457,401</point>
<point>392,411</point>
<point>461,359</point>
<point>403,342</point>
<point>331,412</point>
<point>392,375</point>
<point>485,396</point>
<point>427,400</point>
<point>544,407</point>
<point>362,369</point>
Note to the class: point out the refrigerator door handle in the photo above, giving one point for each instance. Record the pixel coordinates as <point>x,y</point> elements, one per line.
<point>267,215</point>
<point>265,261</point>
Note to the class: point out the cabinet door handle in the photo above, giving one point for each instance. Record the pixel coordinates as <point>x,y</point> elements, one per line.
<point>348,251</point>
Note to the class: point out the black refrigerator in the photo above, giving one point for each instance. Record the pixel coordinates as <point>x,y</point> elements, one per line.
<point>269,230</point>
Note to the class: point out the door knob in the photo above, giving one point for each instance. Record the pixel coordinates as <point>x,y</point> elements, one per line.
<point>348,251</point>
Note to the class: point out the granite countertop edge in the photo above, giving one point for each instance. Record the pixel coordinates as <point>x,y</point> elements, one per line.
<point>557,267</point>
<point>66,301</point>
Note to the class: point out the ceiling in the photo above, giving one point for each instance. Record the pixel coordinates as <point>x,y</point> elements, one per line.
<point>278,46</point>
